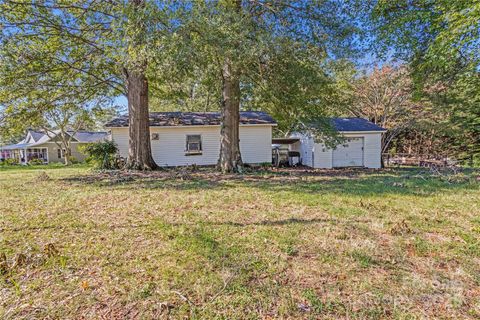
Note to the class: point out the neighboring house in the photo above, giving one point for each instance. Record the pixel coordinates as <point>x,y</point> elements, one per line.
<point>43,146</point>
<point>187,138</point>
<point>362,147</point>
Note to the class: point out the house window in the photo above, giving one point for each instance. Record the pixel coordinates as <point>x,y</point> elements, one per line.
<point>60,153</point>
<point>194,144</point>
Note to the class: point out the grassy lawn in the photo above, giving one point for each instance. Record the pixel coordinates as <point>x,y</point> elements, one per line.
<point>177,244</point>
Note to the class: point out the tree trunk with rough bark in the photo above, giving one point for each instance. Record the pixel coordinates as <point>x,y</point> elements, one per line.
<point>139,151</point>
<point>230,159</point>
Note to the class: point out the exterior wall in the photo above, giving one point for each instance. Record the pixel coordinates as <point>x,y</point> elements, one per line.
<point>255,144</point>
<point>169,149</point>
<point>306,148</point>
<point>53,153</point>
<point>372,154</point>
<point>323,157</point>
<point>372,145</point>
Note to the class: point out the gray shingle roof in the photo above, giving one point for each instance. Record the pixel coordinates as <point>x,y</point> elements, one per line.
<point>160,119</point>
<point>355,124</point>
<point>41,137</point>
<point>90,136</point>
<point>36,135</point>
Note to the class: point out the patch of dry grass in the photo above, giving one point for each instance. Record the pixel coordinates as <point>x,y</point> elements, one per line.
<point>274,244</point>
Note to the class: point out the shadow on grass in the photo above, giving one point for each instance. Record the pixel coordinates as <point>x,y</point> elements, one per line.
<point>267,223</point>
<point>348,182</point>
<point>52,166</point>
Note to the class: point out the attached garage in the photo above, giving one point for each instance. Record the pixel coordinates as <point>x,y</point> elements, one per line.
<point>362,146</point>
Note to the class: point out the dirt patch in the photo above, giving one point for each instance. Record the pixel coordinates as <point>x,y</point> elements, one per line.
<point>210,174</point>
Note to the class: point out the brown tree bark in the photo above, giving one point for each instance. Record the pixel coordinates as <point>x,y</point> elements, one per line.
<point>230,159</point>
<point>139,150</point>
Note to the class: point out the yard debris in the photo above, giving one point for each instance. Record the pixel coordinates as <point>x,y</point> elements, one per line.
<point>42,177</point>
<point>304,307</point>
<point>184,298</point>
<point>3,263</point>
<point>85,285</point>
<point>165,307</point>
<point>367,205</point>
<point>401,228</point>
<point>120,179</point>
<point>50,250</point>
<point>19,260</point>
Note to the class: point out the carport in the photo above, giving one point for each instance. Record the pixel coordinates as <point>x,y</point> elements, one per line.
<point>285,153</point>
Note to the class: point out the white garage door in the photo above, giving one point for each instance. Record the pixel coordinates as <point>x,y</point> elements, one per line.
<point>350,154</point>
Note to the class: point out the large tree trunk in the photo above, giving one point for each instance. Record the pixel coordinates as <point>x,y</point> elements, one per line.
<point>139,148</point>
<point>139,151</point>
<point>230,159</point>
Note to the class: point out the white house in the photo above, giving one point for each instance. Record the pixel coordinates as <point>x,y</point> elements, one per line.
<point>46,147</point>
<point>187,138</point>
<point>362,147</point>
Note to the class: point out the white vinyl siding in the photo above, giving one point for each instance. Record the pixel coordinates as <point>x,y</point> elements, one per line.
<point>306,148</point>
<point>323,157</point>
<point>349,153</point>
<point>256,144</point>
<point>372,146</point>
<point>372,153</point>
<point>170,148</point>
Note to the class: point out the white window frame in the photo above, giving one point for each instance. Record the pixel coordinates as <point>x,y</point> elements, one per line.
<point>39,150</point>
<point>187,144</point>
<point>62,153</point>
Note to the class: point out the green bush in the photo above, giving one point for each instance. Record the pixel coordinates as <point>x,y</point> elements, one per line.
<point>102,154</point>
<point>35,162</point>
<point>9,162</point>
<point>73,160</point>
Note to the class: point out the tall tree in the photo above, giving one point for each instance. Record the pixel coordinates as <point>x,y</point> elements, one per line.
<point>440,41</point>
<point>139,152</point>
<point>241,38</point>
<point>439,37</point>
<point>230,158</point>
<point>101,46</point>
<point>385,97</point>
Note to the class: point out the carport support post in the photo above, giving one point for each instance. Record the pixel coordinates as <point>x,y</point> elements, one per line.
<point>25,161</point>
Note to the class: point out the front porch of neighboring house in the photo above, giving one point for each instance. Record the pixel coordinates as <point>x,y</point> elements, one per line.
<point>24,154</point>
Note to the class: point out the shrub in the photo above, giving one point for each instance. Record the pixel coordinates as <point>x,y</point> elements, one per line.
<point>35,162</point>
<point>9,162</point>
<point>73,160</point>
<point>101,154</point>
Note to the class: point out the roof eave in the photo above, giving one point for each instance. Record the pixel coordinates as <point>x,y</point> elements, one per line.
<point>364,131</point>
<point>198,125</point>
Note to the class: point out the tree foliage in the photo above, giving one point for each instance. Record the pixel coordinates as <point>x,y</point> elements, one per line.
<point>439,39</point>
<point>102,154</point>
<point>55,52</point>
<point>385,97</point>
<point>280,53</point>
